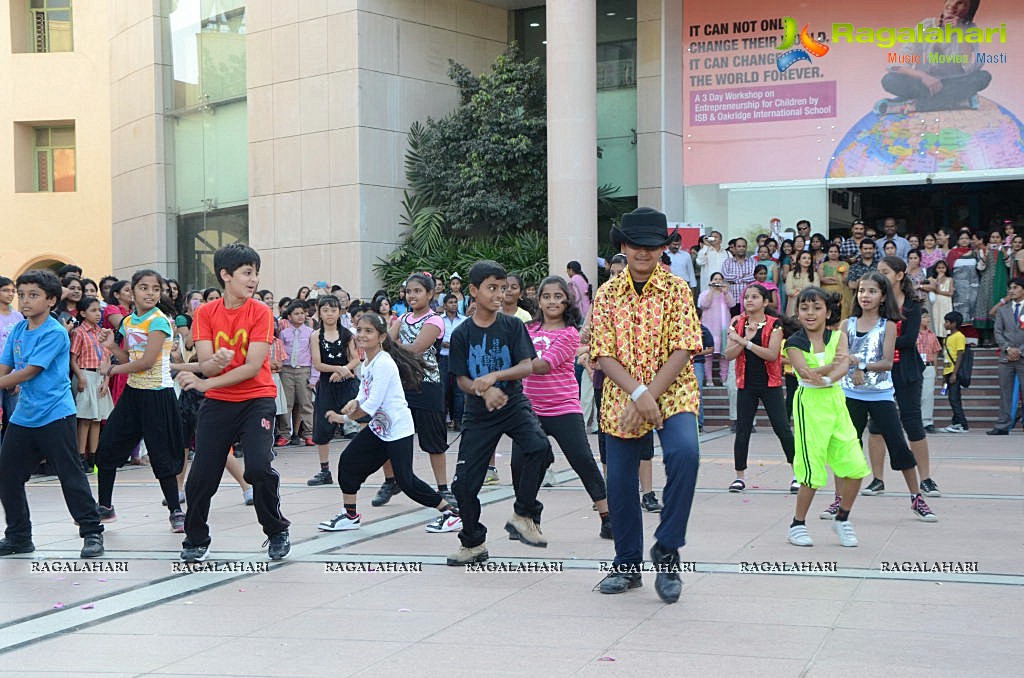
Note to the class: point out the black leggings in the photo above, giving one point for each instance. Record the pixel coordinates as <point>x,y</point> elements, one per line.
<point>571,435</point>
<point>746,407</point>
<point>367,453</point>
<point>883,413</point>
<point>908,402</point>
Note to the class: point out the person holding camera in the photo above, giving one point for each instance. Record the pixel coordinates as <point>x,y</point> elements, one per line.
<point>710,258</point>
<point>715,303</point>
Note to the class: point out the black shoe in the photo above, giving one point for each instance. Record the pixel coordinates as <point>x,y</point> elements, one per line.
<point>322,478</point>
<point>389,489</point>
<point>732,427</point>
<point>929,428</point>
<point>92,546</point>
<point>875,487</point>
<point>619,582</point>
<point>295,441</point>
<point>667,584</point>
<point>8,547</point>
<point>446,495</point>
<point>194,554</point>
<point>280,546</point>
<point>650,503</point>
<point>929,488</point>
<point>456,425</point>
<point>606,528</point>
<point>997,432</point>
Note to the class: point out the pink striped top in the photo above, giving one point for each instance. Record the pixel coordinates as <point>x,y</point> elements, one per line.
<point>556,392</point>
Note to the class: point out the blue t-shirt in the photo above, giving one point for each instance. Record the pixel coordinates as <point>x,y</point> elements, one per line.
<point>47,396</point>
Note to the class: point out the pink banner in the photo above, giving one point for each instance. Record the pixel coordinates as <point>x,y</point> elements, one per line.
<point>763,104</point>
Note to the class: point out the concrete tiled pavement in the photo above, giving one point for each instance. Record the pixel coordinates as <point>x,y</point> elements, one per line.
<point>299,620</point>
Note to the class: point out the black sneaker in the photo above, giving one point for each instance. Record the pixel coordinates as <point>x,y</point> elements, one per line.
<point>667,584</point>
<point>929,488</point>
<point>389,489</point>
<point>322,478</point>
<point>446,495</point>
<point>650,502</point>
<point>280,545</point>
<point>92,545</point>
<point>107,514</point>
<point>8,547</point>
<point>194,554</point>
<point>930,428</point>
<point>876,486</point>
<point>619,582</point>
<point>606,528</point>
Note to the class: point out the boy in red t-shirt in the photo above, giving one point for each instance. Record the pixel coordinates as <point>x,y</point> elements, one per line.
<point>232,338</point>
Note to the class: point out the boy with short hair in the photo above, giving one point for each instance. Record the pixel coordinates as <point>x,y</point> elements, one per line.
<point>233,336</point>
<point>490,353</point>
<point>296,375</point>
<point>956,344</point>
<point>36,357</point>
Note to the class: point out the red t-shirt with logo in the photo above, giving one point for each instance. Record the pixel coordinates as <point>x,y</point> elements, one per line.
<point>237,329</point>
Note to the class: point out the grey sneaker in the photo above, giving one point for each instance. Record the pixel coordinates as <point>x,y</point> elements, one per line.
<point>875,487</point>
<point>280,545</point>
<point>525,530</point>
<point>322,478</point>
<point>929,488</point>
<point>177,522</point>
<point>247,497</point>
<point>388,489</point>
<point>194,554</point>
<point>650,503</point>
<point>620,582</point>
<point>469,554</point>
<point>492,476</point>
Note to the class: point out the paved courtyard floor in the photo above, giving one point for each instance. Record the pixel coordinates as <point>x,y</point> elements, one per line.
<point>338,607</point>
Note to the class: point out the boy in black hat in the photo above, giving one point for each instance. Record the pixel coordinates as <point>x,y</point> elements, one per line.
<point>644,331</point>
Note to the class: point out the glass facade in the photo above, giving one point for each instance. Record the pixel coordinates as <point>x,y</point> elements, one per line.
<point>616,85</point>
<point>209,143</point>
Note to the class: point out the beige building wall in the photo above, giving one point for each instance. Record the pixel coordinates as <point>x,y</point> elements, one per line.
<point>143,221</point>
<point>333,87</point>
<point>38,90</point>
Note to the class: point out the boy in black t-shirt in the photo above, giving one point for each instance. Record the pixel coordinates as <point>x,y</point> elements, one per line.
<point>489,354</point>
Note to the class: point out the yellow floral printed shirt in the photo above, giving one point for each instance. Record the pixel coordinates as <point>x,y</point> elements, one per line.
<point>641,332</point>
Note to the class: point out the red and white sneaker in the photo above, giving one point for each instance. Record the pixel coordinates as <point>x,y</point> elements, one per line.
<point>446,522</point>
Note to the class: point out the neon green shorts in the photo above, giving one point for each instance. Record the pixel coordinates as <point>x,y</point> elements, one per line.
<point>825,436</point>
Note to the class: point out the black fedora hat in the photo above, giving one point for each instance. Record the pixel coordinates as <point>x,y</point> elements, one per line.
<point>643,227</point>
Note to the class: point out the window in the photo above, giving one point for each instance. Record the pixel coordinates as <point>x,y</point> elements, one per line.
<point>54,152</point>
<point>50,25</point>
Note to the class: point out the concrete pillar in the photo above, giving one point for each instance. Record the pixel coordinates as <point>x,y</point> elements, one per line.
<point>572,134</point>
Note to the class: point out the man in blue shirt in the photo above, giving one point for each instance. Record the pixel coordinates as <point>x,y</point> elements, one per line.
<point>36,358</point>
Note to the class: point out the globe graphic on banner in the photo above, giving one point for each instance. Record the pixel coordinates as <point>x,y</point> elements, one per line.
<point>938,141</point>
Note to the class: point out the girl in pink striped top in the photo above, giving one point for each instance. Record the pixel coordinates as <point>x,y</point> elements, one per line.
<point>553,391</point>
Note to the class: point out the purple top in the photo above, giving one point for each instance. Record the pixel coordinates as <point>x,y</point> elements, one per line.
<point>7,323</point>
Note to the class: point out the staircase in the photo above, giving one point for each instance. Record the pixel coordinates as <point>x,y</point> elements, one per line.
<point>980,401</point>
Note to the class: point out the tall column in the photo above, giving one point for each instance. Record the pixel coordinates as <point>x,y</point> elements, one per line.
<point>572,134</point>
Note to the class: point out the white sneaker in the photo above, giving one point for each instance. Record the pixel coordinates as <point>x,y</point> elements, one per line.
<point>847,537</point>
<point>446,522</point>
<point>492,477</point>
<point>799,536</point>
<point>954,428</point>
<point>247,497</point>
<point>340,522</point>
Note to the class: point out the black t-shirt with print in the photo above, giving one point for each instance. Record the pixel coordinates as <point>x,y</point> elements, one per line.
<point>477,351</point>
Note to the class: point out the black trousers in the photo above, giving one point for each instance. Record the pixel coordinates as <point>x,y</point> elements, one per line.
<point>146,415</point>
<point>367,453</point>
<point>908,402</point>
<point>955,400</point>
<point>884,414</point>
<point>221,423</point>
<point>20,453</point>
<point>570,433</point>
<point>746,407</point>
<point>531,456</point>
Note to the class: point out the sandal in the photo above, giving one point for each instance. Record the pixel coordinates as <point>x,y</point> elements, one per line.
<point>737,486</point>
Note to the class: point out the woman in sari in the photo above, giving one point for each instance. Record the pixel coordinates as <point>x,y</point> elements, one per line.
<point>991,284</point>
<point>833,279</point>
<point>963,266</point>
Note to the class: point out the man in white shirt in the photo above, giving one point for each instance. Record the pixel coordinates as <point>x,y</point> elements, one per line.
<point>710,258</point>
<point>453,396</point>
<point>682,263</point>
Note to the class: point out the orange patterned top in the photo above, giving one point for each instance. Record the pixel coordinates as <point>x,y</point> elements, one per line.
<point>641,332</point>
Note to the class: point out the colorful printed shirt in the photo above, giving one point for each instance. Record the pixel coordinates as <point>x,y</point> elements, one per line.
<point>136,330</point>
<point>641,332</point>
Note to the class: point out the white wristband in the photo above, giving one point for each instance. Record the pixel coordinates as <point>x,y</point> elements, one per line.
<point>827,381</point>
<point>750,345</point>
<point>637,392</point>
